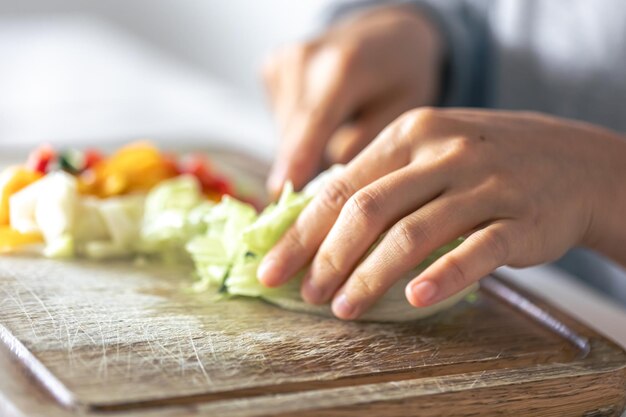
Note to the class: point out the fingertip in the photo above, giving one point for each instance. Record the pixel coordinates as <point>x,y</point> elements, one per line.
<point>270,273</point>
<point>343,309</point>
<point>421,293</point>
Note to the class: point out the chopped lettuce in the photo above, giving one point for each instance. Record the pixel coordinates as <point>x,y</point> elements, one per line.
<point>220,247</point>
<point>229,252</point>
<point>173,214</point>
<point>261,235</point>
<point>236,238</point>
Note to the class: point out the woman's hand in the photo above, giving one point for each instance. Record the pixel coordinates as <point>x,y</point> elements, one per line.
<point>522,187</point>
<point>334,94</point>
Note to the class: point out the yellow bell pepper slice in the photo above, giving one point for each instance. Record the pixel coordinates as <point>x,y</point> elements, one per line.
<point>136,167</point>
<point>11,239</point>
<point>12,180</point>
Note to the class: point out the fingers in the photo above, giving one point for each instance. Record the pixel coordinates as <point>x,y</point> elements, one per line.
<point>325,102</point>
<point>406,244</point>
<point>365,216</point>
<point>301,151</point>
<point>282,76</point>
<point>297,247</point>
<point>479,255</point>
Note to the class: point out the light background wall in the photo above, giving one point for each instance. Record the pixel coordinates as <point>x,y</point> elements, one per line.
<point>228,39</point>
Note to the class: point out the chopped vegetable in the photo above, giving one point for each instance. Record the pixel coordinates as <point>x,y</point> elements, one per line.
<point>173,215</point>
<point>12,180</point>
<point>122,217</point>
<point>12,240</point>
<point>55,205</point>
<point>134,168</point>
<point>236,238</point>
<point>91,158</point>
<point>213,185</point>
<point>221,246</point>
<point>40,159</point>
<point>72,161</point>
<point>61,247</point>
<point>134,202</point>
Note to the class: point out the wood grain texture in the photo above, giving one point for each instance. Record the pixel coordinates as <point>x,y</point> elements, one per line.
<point>118,337</point>
<point>132,341</point>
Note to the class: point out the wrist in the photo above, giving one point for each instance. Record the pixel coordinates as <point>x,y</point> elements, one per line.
<point>607,227</point>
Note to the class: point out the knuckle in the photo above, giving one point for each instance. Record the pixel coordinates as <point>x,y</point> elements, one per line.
<point>425,115</point>
<point>294,239</point>
<point>335,194</point>
<point>455,272</point>
<point>408,236</point>
<point>336,60</point>
<point>367,287</point>
<point>422,118</point>
<point>415,124</point>
<point>498,245</point>
<point>461,145</point>
<point>329,264</point>
<point>346,56</point>
<point>459,150</point>
<point>363,208</point>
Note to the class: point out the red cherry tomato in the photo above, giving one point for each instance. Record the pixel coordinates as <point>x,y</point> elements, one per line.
<point>220,185</point>
<point>91,158</point>
<point>197,165</point>
<point>171,163</point>
<point>39,160</point>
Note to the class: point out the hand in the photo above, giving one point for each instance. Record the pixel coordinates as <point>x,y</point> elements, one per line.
<point>334,94</point>
<point>523,188</point>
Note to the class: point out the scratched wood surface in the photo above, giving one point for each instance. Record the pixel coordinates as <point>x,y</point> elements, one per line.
<point>131,340</point>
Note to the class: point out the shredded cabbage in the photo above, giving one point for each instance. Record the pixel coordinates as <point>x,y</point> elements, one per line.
<point>236,238</point>
<point>229,252</point>
<point>173,215</point>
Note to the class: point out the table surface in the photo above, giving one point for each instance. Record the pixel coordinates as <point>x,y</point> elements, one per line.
<point>88,111</point>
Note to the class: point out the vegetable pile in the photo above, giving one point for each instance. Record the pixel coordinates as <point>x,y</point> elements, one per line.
<point>140,202</point>
<point>87,204</point>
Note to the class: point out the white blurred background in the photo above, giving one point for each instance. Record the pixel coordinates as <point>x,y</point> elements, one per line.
<point>87,71</point>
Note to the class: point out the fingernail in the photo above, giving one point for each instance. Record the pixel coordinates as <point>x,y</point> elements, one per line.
<point>269,272</point>
<point>424,292</point>
<point>342,308</point>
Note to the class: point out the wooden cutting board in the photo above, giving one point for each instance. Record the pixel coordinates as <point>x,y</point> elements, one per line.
<point>122,338</point>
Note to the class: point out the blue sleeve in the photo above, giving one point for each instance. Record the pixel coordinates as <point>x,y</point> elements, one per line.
<point>464,29</point>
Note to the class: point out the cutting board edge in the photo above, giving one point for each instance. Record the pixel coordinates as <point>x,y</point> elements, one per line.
<point>413,389</point>
<point>39,372</point>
